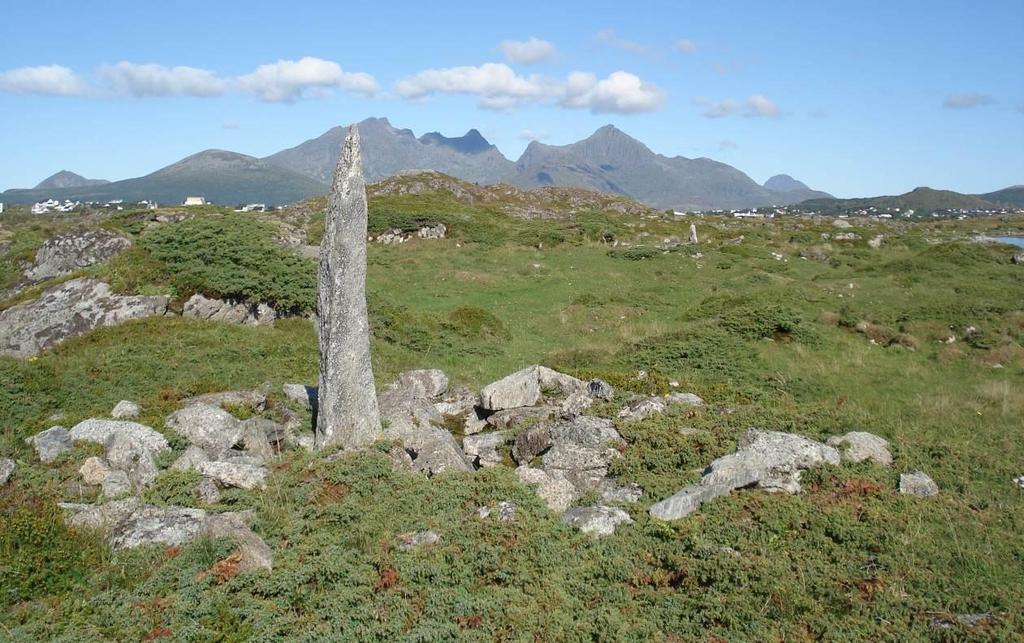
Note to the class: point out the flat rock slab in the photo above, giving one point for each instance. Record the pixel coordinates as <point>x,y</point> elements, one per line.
<point>521,388</point>
<point>100,431</point>
<point>235,474</point>
<point>74,250</point>
<point>643,408</point>
<point>232,312</point>
<point>483,447</point>
<point>68,310</point>
<point>769,460</point>
<point>597,521</point>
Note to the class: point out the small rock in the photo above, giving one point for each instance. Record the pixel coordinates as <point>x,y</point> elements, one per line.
<point>482,449</point>
<point>456,402</point>
<point>254,438</point>
<point>506,511</point>
<point>116,483</point>
<point>417,539</point>
<point>52,442</point>
<point>93,471</point>
<point>302,395</point>
<point>131,457</point>
<point>254,553</point>
<point>229,474</point>
<point>575,404</point>
<point>400,459</point>
<point>601,390</point>
<point>917,483</point>
<point>1019,481</point>
<point>840,223</point>
<point>876,242</point>
<point>474,423</point>
<point>6,470</point>
<point>428,384</point>
<point>125,410</point>
<point>190,459</point>
<point>597,521</point>
<point>862,446</point>
<point>531,442</point>
<point>208,491</point>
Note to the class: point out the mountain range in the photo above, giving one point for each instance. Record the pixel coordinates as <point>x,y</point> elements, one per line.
<point>609,161</point>
<point>920,200</point>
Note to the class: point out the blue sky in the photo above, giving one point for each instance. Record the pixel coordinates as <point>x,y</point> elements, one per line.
<point>857,98</point>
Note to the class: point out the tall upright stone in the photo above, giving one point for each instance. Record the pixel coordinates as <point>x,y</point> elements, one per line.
<point>347,414</point>
<point>693,233</point>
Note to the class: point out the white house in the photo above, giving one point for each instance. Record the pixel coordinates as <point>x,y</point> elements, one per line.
<point>195,200</point>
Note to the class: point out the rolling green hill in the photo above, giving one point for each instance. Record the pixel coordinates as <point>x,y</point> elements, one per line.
<point>1013,196</point>
<point>921,200</point>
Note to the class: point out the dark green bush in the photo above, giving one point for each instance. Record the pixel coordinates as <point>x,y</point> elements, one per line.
<point>233,257</point>
<point>476,324</point>
<point>637,253</point>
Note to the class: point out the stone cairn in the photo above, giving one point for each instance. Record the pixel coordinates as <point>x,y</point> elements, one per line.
<point>347,414</point>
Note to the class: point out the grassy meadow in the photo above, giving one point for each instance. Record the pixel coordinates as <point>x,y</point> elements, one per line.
<point>773,325</point>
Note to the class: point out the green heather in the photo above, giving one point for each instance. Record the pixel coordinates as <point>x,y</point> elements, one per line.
<point>853,338</point>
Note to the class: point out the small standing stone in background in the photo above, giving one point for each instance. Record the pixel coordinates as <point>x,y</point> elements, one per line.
<point>6,469</point>
<point>693,233</point>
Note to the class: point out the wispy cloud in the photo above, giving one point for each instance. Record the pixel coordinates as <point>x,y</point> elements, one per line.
<point>44,80</point>
<point>531,135</point>
<point>966,100</point>
<point>527,52</point>
<point>498,86</point>
<point>609,38</point>
<point>685,46</point>
<point>756,106</point>
<point>140,81</point>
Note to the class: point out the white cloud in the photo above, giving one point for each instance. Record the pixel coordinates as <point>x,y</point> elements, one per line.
<point>289,80</point>
<point>610,38</point>
<point>756,106</point>
<point>620,93</point>
<point>966,100</point>
<point>46,80</point>
<point>497,85</point>
<point>140,81</point>
<point>527,52</point>
<point>685,46</point>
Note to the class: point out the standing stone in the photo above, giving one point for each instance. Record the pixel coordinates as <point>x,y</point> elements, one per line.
<point>693,233</point>
<point>347,414</point>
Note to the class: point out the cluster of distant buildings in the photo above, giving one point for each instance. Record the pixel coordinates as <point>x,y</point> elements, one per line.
<point>870,212</point>
<point>53,205</point>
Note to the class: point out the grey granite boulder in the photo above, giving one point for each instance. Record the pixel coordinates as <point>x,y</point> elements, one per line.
<point>254,553</point>
<point>862,446</point>
<point>208,427</point>
<point>254,400</point>
<point>583,466</point>
<point>505,511</point>
<point>614,493</point>
<point>510,418</point>
<point>551,486</point>
<point>93,471</point>
<point>132,457</point>
<point>918,483</point>
<point>412,419</point>
<point>100,431</point>
<point>235,474</point>
<point>67,310</point>
<point>51,443</point>
<point>232,312</point>
<point>208,491</point>
<point>769,460</point>
<point>521,388</point>
<point>6,470</point>
<point>254,439</point>
<point>642,408</point>
<point>600,390</point>
<point>116,483</point>
<point>415,540</point>
<point>74,250</point>
<point>125,410</point>
<point>482,449</point>
<point>190,459</point>
<point>302,395</point>
<point>429,384</point>
<point>531,442</point>
<point>597,521</point>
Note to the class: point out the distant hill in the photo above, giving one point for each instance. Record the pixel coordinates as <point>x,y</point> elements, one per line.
<point>1011,196</point>
<point>388,151</point>
<point>66,179</point>
<point>921,200</point>
<point>222,177</point>
<point>793,191</point>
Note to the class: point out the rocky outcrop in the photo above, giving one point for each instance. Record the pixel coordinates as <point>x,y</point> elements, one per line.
<point>208,427</point>
<point>348,414</point>
<point>71,251</point>
<point>642,408</point>
<point>67,310</point>
<point>128,523</point>
<point>233,312</point>
<point>768,460</point>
